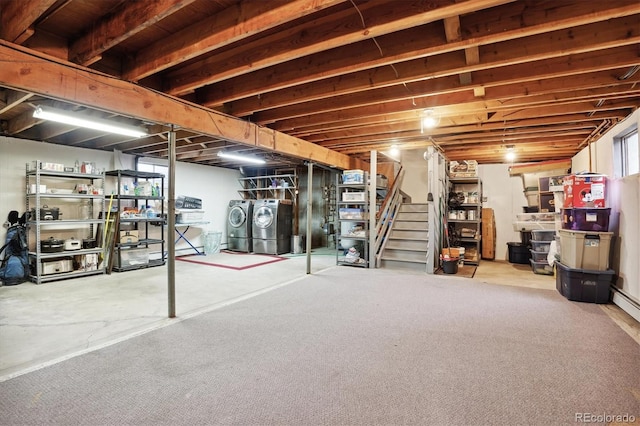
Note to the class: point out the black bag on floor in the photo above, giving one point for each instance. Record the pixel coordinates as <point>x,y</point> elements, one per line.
<point>14,268</point>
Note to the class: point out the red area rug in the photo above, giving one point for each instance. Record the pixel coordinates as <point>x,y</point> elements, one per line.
<point>232,260</point>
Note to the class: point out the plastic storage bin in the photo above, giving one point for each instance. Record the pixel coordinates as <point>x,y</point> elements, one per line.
<point>353,176</point>
<point>584,249</point>
<point>539,256</point>
<point>542,268</point>
<point>542,235</point>
<point>132,257</point>
<point>540,246</point>
<point>519,253</point>
<point>586,219</point>
<point>351,213</point>
<point>353,196</point>
<point>531,221</point>
<point>583,285</point>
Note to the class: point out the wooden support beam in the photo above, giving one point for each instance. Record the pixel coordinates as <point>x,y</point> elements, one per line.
<point>132,18</point>
<point>32,72</point>
<point>427,40</point>
<point>329,32</point>
<point>238,22</point>
<point>18,16</point>
<point>553,48</point>
<point>620,57</point>
<point>14,98</point>
<point>539,167</point>
<point>21,123</point>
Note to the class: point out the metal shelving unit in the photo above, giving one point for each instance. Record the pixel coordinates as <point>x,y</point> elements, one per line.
<point>471,207</point>
<point>137,254</point>
<point>79,206</point>
<point>278,186</point>
<point>352,225</point>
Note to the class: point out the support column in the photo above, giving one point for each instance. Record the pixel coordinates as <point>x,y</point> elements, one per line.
<point>171,226</point>
<point>309,213</point>
<point>373,173</point>
<point>436,196</point>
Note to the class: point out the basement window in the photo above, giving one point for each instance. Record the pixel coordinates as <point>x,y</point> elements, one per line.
<point>153,168</point>
<point>150,167</point>
<point>627,153</point>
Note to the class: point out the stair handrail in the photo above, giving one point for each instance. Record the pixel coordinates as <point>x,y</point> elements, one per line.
<point>386,216</point>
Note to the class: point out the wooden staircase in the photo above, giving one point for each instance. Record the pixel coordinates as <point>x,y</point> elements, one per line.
<point>406,245</point>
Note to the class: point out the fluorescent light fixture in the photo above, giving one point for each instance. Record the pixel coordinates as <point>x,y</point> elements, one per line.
<point>77,119</point>
<point>243,158</point>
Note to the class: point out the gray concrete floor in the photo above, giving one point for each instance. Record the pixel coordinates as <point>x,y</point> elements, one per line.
<point>44,324</point>
<point>47,323</point>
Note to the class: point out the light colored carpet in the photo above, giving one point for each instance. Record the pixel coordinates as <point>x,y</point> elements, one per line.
<point>352,346</point>
<point>232,260</point>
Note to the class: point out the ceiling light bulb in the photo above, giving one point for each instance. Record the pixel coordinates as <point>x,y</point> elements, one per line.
<point>394,150</point>
<point>510,156</point>
<point>429,120</point>
<point>239,157</point>
<point>77,119</point>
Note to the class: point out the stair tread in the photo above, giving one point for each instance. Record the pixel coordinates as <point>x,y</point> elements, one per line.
<point>406,249</point>
<point>411,228</point>
<point>402,259</point>
<point>391,237</point>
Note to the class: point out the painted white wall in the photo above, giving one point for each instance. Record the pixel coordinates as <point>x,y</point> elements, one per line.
<point>624,200</point>
<point>215,186</point>
<point>504,194</point>
<point>15,154</point>
<point>415,178</point>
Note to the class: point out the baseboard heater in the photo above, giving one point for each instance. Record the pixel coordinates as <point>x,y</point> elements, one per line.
<point>625,303</point>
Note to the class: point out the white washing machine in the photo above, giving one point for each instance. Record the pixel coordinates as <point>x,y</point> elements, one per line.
<point>272,222</point>
<point>239,226</point>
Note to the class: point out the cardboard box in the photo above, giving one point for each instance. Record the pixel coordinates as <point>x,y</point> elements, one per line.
<point>451,252</point>
<point>57,266</point>
<point>556,183</point>
<point>54,167</point>
<point>129,237</point>
<point>464,168</point>
<point>588,190</point>
<point>86,262</point>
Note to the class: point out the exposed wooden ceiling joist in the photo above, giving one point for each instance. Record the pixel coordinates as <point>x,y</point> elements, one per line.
<point>33,73</point>
<point>347,75</point>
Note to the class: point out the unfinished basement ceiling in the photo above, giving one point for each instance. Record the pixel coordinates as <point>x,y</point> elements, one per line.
<point>543,77</point>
